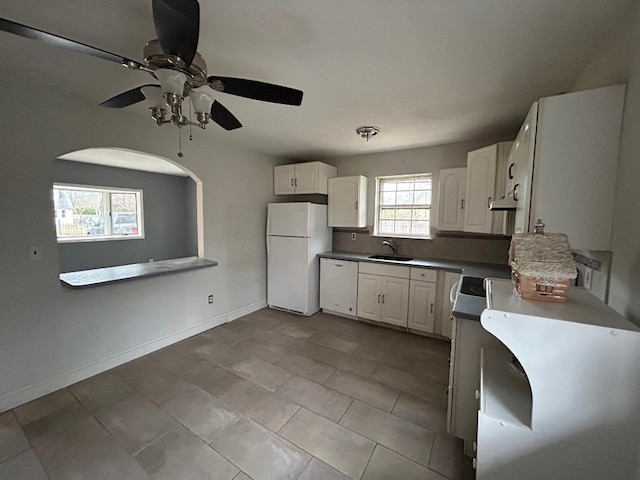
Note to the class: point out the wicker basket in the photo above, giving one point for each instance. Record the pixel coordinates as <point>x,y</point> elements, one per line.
<point>542,267</point>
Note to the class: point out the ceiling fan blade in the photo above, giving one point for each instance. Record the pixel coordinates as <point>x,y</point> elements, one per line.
<point>224,117</point>
<point>177,25</point>
<point>265,92</point>
<point>127,98</point>
<point>56,40</point>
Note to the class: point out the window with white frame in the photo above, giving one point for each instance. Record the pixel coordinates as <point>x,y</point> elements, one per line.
<point>86,213</point>
<point>403,206</point>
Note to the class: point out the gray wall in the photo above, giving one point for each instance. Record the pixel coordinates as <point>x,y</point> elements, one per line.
<point>169,217</point>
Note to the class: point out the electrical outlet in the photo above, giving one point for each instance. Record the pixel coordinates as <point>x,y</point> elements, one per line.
<point>35,252</point>
<point>210,299</point>
<point>353,236</point>
<point>588,275</point>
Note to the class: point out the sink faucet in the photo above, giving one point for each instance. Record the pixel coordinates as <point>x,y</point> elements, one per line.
<point>392,245</point>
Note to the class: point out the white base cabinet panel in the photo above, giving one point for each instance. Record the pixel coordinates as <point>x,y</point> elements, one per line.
<point>339,286</point>
<point>539,456</point>
<point>422,302</point>
<point>395,301</point>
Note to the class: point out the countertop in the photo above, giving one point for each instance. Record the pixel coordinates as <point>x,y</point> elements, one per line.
<point>465,306</point>
<point>120,273</point>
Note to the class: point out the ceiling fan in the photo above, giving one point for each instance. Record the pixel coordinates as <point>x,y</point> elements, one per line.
<point>173,60</point>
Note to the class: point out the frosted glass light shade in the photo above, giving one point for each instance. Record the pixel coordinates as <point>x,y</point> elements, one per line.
<point>172,81</point>
<point>153,94</point>
<point>201,101</point>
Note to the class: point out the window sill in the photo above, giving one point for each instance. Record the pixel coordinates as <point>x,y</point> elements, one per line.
<point>401,237</point>
<point>103,238</point>
<point>122,273</point>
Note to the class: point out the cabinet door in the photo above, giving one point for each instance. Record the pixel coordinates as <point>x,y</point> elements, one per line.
<point>306,177</point>
<point>451,199</point>
<point>450,279</point>
<point>283,180</point>
<point>395,301</point>
<point>422,304</point>
<point>344,204</point>
<point>480,188</point>
<point>338,286</point>
<point>369,296</point>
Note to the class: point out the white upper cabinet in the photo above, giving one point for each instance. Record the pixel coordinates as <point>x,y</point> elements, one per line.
<point>348,201</point>
<point>481,184</point>
<point>283,180</point>
<point>301,178</point>
<point>451,193</point>
<point>485,182</point>
<point>565,167</point>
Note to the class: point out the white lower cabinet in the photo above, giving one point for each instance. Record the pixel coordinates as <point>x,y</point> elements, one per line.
<point>383,293</point>
<point>338,286</point>
<point>422,300</point>
<point>468,339</point>
<point>446,323</point>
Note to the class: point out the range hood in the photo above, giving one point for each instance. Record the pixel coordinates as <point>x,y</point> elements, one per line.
<point>503,204</point>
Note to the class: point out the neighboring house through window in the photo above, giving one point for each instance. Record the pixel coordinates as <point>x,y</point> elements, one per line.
<point>85,213</point>
<point>403,206</point>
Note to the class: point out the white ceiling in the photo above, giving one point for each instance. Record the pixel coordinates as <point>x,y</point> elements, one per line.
<point>425,71</point>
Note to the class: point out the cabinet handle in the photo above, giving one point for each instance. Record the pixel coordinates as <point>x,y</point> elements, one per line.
<point>474,464</point>
<point>462,204</point>
<point>378,298</point>
<point>475,446</point>
<point>489,202</point>
<point>432,308</point>
<point>356,204</point>
<point>510,173</point>
<point>515,191</point>
<point>338,264</point>
<point>477,394</point>
<point>296,182</point>
<point>382,298</point>
<point>292,182</point>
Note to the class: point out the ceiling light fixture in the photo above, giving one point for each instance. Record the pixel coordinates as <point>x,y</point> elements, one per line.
<point>367,132</point>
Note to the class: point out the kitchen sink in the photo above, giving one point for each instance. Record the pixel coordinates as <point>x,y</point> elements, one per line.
<point>472,286</point>
<point>395,258</point>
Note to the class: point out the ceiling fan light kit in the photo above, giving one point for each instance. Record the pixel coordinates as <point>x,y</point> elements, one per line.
<point>367,132</point>
<point>173,60</point>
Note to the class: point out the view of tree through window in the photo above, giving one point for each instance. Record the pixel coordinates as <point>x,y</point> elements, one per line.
<point>404,206</point>
<point>94,212</point>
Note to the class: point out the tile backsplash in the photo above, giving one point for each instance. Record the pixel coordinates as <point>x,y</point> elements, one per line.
<point>486,249</point>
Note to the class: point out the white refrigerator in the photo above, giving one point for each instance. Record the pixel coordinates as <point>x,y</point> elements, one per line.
<point>296,234</point>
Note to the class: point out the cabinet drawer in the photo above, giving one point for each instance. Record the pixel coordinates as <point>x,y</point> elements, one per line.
<point>386,270</point>
<point>424,274</point>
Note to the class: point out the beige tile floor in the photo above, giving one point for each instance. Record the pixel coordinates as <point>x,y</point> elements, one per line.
<point>269,396</point>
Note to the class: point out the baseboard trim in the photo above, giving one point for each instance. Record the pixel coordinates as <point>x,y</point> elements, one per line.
<point>43,387</point>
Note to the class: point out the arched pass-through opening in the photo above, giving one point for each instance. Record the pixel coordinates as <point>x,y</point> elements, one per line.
<point>170,199</point>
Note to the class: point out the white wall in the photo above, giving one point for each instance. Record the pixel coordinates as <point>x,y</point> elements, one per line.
<point>617,61</point>
<point>51,336</point>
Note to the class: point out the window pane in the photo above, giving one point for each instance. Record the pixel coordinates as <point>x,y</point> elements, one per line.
<point>388,186</point>
<point>386,226</point>
<point>388,198</point>
<point>124,216</point>
<point>420,228</point>
<point>403,226</point>
<point>423,184</point>
<point>404,213</point>
<point>421,198</point>
<point>405,198</point>
<point>388,213</point>
<point>405,184</point>
<point>420,214</point>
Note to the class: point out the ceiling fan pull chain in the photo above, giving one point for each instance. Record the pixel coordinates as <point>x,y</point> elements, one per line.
<point>190,133</point>
<point>180,155</point>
